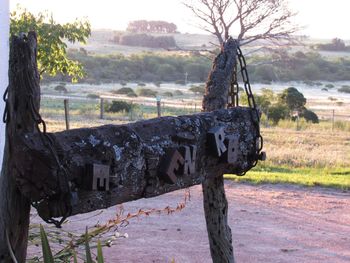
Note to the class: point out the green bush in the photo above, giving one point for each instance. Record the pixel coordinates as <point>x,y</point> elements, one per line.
<point>61,88</point>
<point>344,89</point>
<point>309,116</point>
<point>278,112</point>
<point>330,86</point>
<point>131,94</point>
<point>178,93</point>
<point>180,82</point>
<point>92,96</point>
<point>167,94</point>
<point>147,92</point>
<point>197,89</point>
<point>124,90</point>
<point>118,106</point>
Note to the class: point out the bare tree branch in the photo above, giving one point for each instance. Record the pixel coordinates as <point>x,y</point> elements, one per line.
<point>248,20</point>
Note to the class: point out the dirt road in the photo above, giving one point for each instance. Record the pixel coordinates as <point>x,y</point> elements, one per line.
<point>270,223</point>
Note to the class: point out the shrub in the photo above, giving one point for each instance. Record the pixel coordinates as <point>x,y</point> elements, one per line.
<point>344,89</point>
<point>61,88</point>
<point>197,89</point>
<point>157,83</point>
<point>118,106</point>
<point>278,112</point>
<point>144,40</point>
<point>309,116</point>
<point>180,82</point>
<point>131,94</point>
<point>92,96</point>
<point>124,90</point>
<point>178,93</point>
<point>147,92</point>
<point>330,86</point>
<point>167,94</point>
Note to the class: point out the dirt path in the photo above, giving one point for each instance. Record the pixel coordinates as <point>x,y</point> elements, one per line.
<point>270,223</point>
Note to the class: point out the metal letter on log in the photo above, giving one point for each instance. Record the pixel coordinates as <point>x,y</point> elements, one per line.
<point>216,137</point>
<point>170,164</point>
<point>232,142</point>
<point>100,177</point>
<point>190,153</point>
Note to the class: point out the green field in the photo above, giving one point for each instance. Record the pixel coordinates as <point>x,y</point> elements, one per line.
<point>334,178</point>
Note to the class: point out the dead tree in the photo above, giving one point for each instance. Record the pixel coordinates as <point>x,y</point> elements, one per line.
<point>14,207</point>
<point>253,19</point>
<point>214,198</point>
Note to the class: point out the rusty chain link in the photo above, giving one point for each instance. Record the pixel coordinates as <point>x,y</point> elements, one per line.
<point>63,198</point>
<point>233,100</point>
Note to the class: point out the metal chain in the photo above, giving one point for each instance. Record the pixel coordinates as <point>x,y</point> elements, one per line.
<point>6,116</point>
<point>63,185</point>
<point>233,94</point>
<point>234,89</point>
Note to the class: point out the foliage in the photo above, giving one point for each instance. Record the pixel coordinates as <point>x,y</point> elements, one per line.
<point>168,94</point>
<point>178,93</point>
<point>278,112</point>
<point>124,90</point>
<point>160,67</point>
<point>131,94</point>
<point>344,89</point>
<point>293,99</point>
<point>309,115</point>
<point>144,92</point>
<point>52,56</point>
<point>61,88</point>
<point>92,96</point>
<point>337,44</point>
<point>197,89</point>
<point>145,40</point>
<point>118,106</point>
<point>46,249</point>
<point>144,26</point>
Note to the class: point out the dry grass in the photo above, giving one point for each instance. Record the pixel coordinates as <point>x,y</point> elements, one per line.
<point>307,148</point>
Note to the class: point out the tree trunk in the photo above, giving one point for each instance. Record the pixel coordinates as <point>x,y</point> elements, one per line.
<point>214,198</point>
<point>23,85</point>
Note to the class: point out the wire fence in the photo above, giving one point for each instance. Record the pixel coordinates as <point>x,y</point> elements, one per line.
<point>89,111</point>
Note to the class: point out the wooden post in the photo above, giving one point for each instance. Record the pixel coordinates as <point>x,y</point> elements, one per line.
<point>102,108</point>
<point>4,63</point>
<point>159,112</point>
<point>23,99</point>
<point>66,112</point>
<point>215,202</point>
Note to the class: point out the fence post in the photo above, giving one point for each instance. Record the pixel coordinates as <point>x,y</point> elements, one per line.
<point>332,120</point>
<point>102,108</point>
<point>66,112</point>
<point>158,107</point>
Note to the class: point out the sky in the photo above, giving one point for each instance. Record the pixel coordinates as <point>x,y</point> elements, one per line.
<point>320,18</point>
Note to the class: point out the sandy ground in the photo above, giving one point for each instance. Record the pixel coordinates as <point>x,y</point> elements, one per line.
<point>270,223</point>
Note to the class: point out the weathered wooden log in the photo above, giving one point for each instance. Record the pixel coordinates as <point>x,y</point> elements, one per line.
<point>113,164</point>
<point>23,93</point>
<point>214,198</point>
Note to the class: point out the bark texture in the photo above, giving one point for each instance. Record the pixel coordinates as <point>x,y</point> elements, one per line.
<point>23,84</point>
<point>134,156</point>
<point>214,198</point>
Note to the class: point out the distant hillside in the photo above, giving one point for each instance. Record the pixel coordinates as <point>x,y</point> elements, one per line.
<point>100,43</point>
